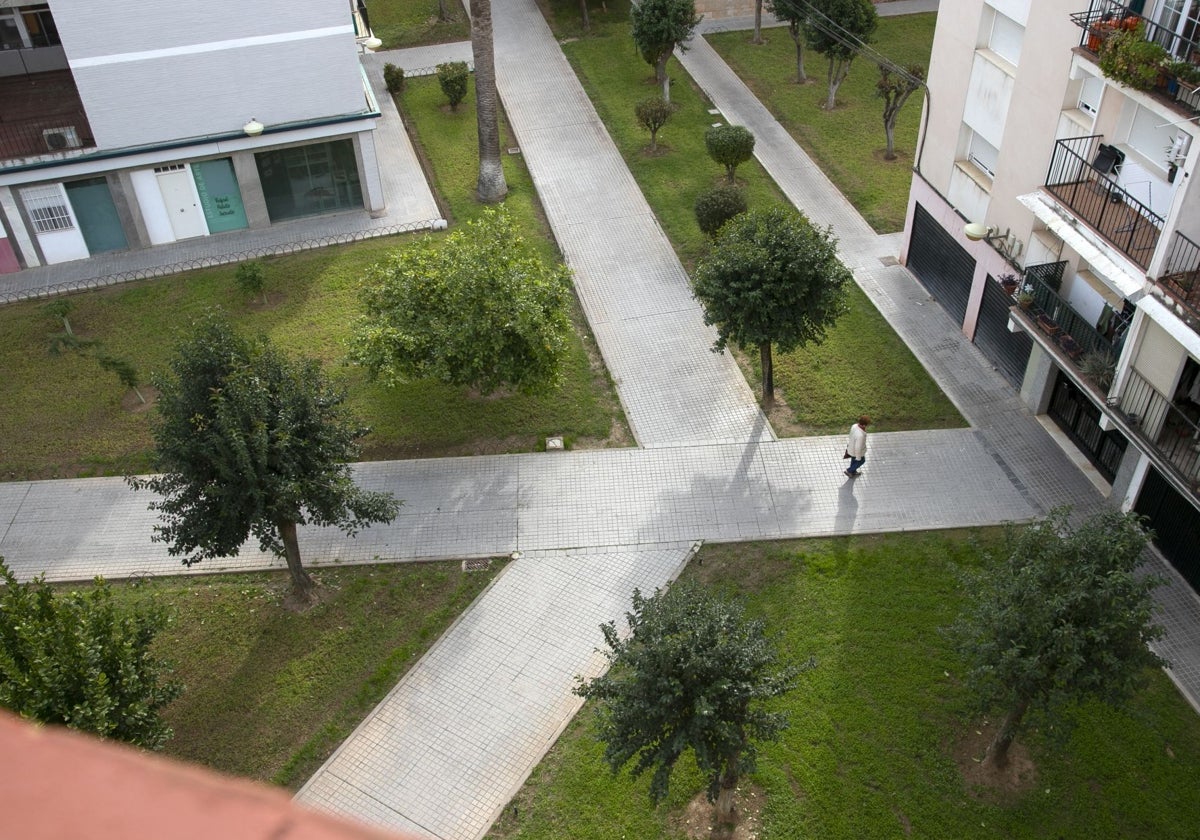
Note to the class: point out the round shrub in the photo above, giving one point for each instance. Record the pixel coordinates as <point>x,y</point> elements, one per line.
<point>729,145</point>
<point>452,76</point>
<point>393,78</point>
<point>717,205</point>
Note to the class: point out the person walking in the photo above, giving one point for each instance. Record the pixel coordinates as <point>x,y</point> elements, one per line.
<point>856,446</point>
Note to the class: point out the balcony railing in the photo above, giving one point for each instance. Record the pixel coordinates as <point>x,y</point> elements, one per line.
<point>1055,318</point>
<point>1163,425</point>
<point>1096,198</point>
<point>1105,16</point>
<point>1181,275</point>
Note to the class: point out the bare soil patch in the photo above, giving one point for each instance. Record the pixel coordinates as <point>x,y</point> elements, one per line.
<point>989,784</point>
<point>698,820</point>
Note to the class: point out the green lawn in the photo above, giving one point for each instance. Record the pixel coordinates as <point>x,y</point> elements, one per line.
<point>271,693</point>
<point>847,143</point>
<point>410,23</point>
<point>874,726</point>
<point>863,366</point>
<point>65,417</point>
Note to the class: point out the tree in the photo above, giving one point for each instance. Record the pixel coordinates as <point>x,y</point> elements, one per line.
<point>251,441</point>
<point>894,89</point>
<point>652,114</point>
<point>80,660</point>
<point>771,278</point>
<point>836,32</point>
<point>491,187</point>
<point>123,369</point>
<point>1063,616</point>
<point>452,78</point>
<point>251,279</point>
<point>479,309</point>
<point>717,205</point>
<point>795,14</point>
<point>693,674</point>
<point>730,146</point>
<point>758,6</point>
<point>658,27</point>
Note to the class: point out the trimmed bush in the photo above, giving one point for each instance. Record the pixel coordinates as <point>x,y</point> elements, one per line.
<point>652,114</point>
<point>452,76</point>
<point>251,280</point>
<point>730,146</point>
<point>717,205</point>
<point>393,78</point>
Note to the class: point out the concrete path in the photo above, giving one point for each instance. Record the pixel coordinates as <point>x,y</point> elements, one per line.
<point>410,206</point>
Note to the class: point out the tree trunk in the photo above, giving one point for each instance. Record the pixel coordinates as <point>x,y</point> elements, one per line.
<point>794,31</point>
<point>492,186</point>
<point>302,584</point>
<point>587,21</point>
<point>654,140</point>
<point>837,74</point>
<point>768,374</point>
<point>997,751</point>
<point>889,128</point>
<point>443,11</point>
<point>726,812</point>
<point>758,21</point>
<point>660,73</point>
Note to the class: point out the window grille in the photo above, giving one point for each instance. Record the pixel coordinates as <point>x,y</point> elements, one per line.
<point>47,208</point>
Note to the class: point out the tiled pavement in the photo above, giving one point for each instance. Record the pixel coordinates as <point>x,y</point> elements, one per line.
<point>457,736</point>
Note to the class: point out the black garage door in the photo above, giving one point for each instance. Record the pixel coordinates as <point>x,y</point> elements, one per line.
<point>1008,351</point>
<point>1175,521</point>
<point>941,264</point>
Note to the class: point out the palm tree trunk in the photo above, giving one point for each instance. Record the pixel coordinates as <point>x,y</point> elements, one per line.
<point>302,584</point>
<point>997,751</point>
<point>768,374</point>
<point>492,187</point>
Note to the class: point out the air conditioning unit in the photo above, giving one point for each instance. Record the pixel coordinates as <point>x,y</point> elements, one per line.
<point>58,139</point>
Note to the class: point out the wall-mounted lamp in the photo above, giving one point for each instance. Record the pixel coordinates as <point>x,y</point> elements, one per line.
<point>372,43</point>
<point>986,233</point>
<point>1005,243</point>
<point>253,128</point>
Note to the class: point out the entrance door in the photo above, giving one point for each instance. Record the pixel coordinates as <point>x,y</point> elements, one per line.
<point>179,195</point>
<point>97,215</point>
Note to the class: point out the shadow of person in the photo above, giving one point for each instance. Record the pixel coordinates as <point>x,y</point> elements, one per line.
<point>847,508</point>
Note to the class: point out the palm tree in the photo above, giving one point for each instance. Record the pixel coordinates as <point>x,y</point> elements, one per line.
<point>492,187</point>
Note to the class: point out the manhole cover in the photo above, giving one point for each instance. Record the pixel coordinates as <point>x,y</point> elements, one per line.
<point>889,261</point>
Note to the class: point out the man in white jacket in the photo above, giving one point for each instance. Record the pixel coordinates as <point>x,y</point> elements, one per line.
<point>856,446</point>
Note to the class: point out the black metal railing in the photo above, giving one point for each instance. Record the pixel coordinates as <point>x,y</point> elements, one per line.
<point>1180,277</point>
<point>46,135</point>
<point>1100,201</point>
<point>1106,16</point>
<point>1159,422</point>
<point>1062,324</point>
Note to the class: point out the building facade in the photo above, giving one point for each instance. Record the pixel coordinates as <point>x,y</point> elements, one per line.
<point>129,125</point>
<point>1052,214</point>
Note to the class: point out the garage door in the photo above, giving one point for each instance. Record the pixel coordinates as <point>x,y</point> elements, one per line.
<point>1175,521</point>
<point>1008,351</point>
<point>942,265</point>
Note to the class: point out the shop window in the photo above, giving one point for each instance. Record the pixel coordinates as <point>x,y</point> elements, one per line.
<point>307,180</point>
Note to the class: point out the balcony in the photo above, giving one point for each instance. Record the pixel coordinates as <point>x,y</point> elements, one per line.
<point>1066,334</point>
<point>1081,176</point>
<point>1180,279</point>
<point>1170,429</point>
<point>41,114</point>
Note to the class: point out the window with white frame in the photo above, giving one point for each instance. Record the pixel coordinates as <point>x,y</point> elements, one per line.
<point>981,153</point>
<point>47,208</point>
<point>1089,94</point>
<point>1006,37</point>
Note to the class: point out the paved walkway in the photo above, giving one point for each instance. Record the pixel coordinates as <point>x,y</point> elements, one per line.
<point>444,752</point>
<point>410,206</point>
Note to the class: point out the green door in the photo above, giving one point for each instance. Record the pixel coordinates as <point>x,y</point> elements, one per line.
<point>97,215</point>
<point>219,195</point>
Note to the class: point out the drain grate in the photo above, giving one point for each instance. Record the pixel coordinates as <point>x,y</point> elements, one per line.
<point>477,565</point>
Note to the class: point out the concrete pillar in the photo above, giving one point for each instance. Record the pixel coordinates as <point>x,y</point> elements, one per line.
<point>1038,384</point>
<point>368,167</point>
<point>253,200</point>
<point>1130,475</point>
<point>23,241</point>
<point>128,209</point>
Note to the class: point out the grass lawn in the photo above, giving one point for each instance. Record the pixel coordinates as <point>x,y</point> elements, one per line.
<point>65,417</point>
<point>410,23</point>
<point>863,366</point>
<point>874,728</point>
<point>271,693</point>
<point>847,143</point>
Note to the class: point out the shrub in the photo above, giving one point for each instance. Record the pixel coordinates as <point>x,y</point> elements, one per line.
<point>729,145</point>
<point>251,280</point>
<point>1127,57</point>
<point>393,77</point>
<point>652,114</point>
<point>452,76</point>
<point>717,205</point>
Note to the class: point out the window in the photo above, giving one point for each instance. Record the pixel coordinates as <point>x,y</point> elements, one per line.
<point>1151,139</point>
<point>306,180</point>
<point>982,153</point>
<point>47,208</point>
<point>40,26</point>
<point>1005,39</point>
<point>1089,94</point>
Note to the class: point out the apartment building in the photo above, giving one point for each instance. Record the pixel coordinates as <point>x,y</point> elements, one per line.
<point>1053,215</point>
<point>128,125</point>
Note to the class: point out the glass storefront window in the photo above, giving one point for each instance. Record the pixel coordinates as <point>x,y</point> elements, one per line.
<point>307,180</point>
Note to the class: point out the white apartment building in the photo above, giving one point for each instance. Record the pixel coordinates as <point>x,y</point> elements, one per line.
<point>1035,167</point>
<point>128,124</point>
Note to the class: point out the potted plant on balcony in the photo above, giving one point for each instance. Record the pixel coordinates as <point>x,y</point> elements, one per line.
<point>1127,57</point>
<point>1025,299</point>
<point>1008,282</point>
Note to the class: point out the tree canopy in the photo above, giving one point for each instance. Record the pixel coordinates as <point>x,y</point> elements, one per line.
<point>252,442</point>
<point>771,278</point>
<point>895,89</point>
<point>1063,616</point>
<point>835,30</point>
<point>692,675</point>
<point>658,27</point>
<point>730,146</point>
<point>80,660</point>
<point>479,308</point>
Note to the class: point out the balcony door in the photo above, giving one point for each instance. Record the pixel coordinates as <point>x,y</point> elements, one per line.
<point>1180,19</point>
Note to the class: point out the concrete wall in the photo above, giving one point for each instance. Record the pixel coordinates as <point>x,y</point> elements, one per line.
<point>175,69</point>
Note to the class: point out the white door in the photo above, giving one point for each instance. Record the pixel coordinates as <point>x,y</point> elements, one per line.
<point>183,206</point>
